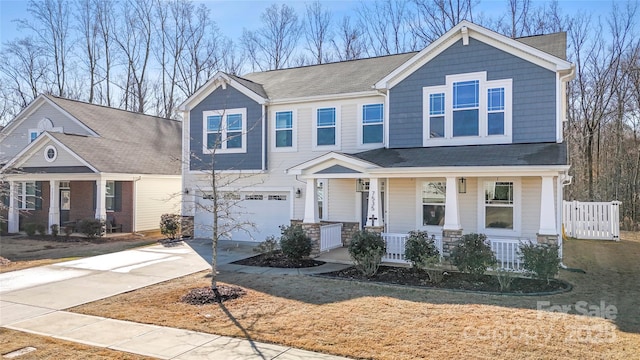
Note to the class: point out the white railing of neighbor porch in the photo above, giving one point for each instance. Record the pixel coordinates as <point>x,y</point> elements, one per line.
<point>396,244</point>
<point>330,236</point>
<point>592,220</point>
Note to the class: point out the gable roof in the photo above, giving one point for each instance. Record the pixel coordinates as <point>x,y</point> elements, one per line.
<point>554,44</point>
<point>127,142</point>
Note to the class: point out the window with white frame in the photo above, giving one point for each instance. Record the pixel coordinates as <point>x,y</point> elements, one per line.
<point>326,134</point>
<point>27,195</point>
<point>372,124</point>
<point>33,135</point>
<point>468,109</point>
<point>110,196</point>
<point>320,193</point>
<point>225,131</point>
<point>284,130</point>
<point>433,203</point>
<point>499,205</point>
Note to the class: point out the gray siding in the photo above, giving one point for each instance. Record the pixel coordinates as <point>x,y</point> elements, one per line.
<point>221,99</point>
<point>534,93</point>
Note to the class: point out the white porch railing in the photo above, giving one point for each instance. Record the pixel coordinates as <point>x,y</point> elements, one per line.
<point>507,253</point>
<point>396,244</point>
<point>330,236</point>
<point>592,220</point>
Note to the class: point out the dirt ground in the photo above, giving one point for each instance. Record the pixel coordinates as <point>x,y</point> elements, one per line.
<point>24,252</point>
<point>392,322</point>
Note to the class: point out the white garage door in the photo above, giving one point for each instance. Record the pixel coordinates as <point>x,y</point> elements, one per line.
<point>266,210</point>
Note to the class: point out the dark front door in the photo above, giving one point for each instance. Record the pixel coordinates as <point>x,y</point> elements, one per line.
<point>365,206</point>
<point>65,205</point>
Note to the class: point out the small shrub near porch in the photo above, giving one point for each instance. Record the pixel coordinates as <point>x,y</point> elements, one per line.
<point>542,260</point>
<point>91,228</point>
<point>366,250</point>
<point>294,242</point>
<point>170,225</point>
<point>473,255</point>
<point>422,253</point>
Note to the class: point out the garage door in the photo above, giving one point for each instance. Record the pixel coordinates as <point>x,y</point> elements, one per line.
<point>266,210</point>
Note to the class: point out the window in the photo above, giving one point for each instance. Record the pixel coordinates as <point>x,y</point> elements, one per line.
<point>284,129</point>
<point>33,135</point>
<point>499,205</point>
<point>277,197</point>
<point>110,196</point>
<point>50,153</point>
<point>468,109</point>
<point>27,195</point>
<point>433,203</point>
<point>372,124</point>
<point>254,197</point>
<point>326,127</point>
<point>224,131</point>
<point>320,194</point>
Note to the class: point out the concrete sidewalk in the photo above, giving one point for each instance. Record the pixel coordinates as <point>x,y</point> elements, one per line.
<point>32,300</point>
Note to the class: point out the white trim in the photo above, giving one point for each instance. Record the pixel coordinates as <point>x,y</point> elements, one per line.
<point>46,153</point>
<point>220,79</point>
<point>477,32</point>
<point>314,128</point>
<point>294,131</point>
<point>21,194</point>
<point>224,113</point>
<point>361,125</point>
<point>517,207</point>
<point>483,136</point>
<point>349,160</point>
<point>328,97</point>
<point>470,171</point>
<point>17,161</point>
<point>264,138</point>
<point>208,172</point>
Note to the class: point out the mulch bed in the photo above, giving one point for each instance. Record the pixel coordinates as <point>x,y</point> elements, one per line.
<point>452,280</point>
<point>206,295</point>
<point>278,260</point>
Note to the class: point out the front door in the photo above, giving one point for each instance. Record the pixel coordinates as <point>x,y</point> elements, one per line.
<point>65,205</point>
<point>365,207</point>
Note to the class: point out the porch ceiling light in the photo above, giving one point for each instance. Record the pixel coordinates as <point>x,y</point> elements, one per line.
<point>462,185</point>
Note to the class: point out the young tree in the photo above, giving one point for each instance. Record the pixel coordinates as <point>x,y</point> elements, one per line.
<point>350,44</point>
<point>317,31</point>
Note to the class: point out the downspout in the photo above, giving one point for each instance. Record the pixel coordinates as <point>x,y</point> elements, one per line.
<point>135,202</point>
<point>566,181</point>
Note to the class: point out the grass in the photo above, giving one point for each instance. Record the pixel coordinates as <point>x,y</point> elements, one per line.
<point>49,348</point>
<point>391,322</point>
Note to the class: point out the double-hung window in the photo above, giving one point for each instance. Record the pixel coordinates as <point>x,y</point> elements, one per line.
<point>27,195</point>
<point>326,133</point>
<point>372,124</point>
<point>468,109</point>
<point>433,203</point>
<point>284,137</point>
<point>110,196</point>
<point>225,131</point>
<point>499,205</point>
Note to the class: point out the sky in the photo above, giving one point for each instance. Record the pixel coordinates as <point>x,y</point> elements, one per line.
<point>233,16</point>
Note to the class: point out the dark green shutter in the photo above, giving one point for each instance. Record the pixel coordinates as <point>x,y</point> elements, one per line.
<point>95,188</point>
<point>38,195</point>
<point>117,196</point>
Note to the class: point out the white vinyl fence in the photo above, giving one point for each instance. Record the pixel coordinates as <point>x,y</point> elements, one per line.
<point>592,220</point>
<point>396,244</point>
<point>330,236</point>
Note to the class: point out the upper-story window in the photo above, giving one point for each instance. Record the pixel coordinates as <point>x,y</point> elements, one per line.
<point>33,135</point>
<point>225,131</point>
<point>326,133</point>
<point>372,124</point>
<point>468,109</point>
<point>284,139</point>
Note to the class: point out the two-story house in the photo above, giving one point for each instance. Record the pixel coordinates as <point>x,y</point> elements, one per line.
<point>63,160</point>
<point>463,136</point>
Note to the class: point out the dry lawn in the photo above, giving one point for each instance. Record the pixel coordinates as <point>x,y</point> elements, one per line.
<point>54,349</point>
<point>390,322</point>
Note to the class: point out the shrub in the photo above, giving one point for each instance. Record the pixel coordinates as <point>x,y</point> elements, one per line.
<point>170,225</point>
<point>505,278</point>
<point>294,242</point>
<point>366,250</point>
<point>268,247</point>
<point>41,229</point>
<point>55,230</point>
<point>541,260</point>
<point>423,254</point>
<point>30,228</point>
<point>92,228</point>
<point>473,255</point>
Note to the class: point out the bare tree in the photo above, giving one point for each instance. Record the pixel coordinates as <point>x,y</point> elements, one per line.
<point>433,18</point>
<point>25,69</point>
<point>385,24</point>
<point>271,46</point>
<point>350,44</point>
<point>106,25</point>
<point>317,31</point>
<point>88,25</point>
<point>50,22</point>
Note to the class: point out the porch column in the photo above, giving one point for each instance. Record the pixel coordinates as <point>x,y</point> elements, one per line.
<point>13,218</point>
<point>547,208</point>
<point>101,206</point>
<point>311,202</point>
<point>54,204</point>
<point>451,212</point>
<point>373,210</point>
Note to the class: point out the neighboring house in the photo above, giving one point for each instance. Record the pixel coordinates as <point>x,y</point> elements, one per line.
<point>65,160</point>
<point>464,136</point>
